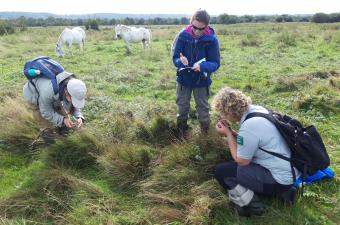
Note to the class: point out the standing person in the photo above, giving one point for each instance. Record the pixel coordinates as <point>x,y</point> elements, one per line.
<point>56,105</point>
<point>196,55</point>
<point>253,170</point>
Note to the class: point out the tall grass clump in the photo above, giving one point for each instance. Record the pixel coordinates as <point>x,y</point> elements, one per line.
<point>48,197</point>
<point>335,82</point>
<point>209,150</point>
<point>127,163</point>
<point>287,84</point>
<point>18,126</point>
<point>159,131</point>
<point>321,103</point>
<point>251,40</point>
<point>77,151</point>
<point>204,199</point>
<point>286,39</point>
<point>181,194</point>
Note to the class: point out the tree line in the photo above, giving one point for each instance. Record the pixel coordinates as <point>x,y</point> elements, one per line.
<point>9,26</point>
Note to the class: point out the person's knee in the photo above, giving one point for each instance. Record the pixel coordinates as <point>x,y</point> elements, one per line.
<point>225,170</point>
<point>219,171</point>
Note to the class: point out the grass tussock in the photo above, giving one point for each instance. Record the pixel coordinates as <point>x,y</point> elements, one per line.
<point>320,103</point>
<point>48,198</point>
<point>287,84</point>
<point>119,127</point>
<point>77,151</point>
<point>286,39</point>
<point>166,215</point>
<point>127,163</point>
<point>250,40</point>
<point>160,131</point>
<point>99,210</point>
<point>18,126</point>
<point>191,206</point>
<point>335,82</point>
<point>294,83</point>
<point>205,198</point>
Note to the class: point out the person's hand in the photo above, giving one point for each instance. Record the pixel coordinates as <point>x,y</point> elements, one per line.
<point>79,122</point>
<point>227,124</point>
<point>222,129</point>
<point>183,59</point>
<point>68,123</point>
<point>197,67</point>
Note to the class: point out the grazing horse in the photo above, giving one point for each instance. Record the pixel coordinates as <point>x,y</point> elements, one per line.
<point>133,35</point>
<point>69,37</point>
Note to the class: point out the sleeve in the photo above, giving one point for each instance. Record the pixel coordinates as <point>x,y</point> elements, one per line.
<point>178,47</point>
<point>47,111</point>
<point>213,58</point>
<point>78,114</point>
<point>247,143</point>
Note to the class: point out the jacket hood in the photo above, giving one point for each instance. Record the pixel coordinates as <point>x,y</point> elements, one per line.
<point>208,35</point>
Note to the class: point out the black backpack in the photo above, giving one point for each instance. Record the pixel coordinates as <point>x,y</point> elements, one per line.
<point>308,152</point>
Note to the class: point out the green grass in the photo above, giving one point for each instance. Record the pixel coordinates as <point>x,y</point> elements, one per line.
<point>124,168</point>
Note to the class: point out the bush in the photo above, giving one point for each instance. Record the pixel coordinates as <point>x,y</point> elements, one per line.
<point>6,27</point>
<point>92,24</point>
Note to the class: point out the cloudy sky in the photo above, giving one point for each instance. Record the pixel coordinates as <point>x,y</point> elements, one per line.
<point>214,7</point>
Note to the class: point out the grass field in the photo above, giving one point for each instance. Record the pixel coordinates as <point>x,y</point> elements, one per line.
<point>124,167</point>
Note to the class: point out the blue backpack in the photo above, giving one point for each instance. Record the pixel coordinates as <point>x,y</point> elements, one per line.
<point>48,69</point>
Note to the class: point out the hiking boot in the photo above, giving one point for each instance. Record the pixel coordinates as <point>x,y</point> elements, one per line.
<point>182,130</point>
<point>289,196</point>
<point>204,127</point>
<point>254,208</point>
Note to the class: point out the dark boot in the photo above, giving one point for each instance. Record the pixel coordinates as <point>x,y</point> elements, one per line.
<point>205,127</point>
<point>289,196</point>
<point>255,207</point>
<point>182,130</point>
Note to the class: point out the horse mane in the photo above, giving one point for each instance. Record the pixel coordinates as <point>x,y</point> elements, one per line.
<point>125,27</point>
<point>61,34</point>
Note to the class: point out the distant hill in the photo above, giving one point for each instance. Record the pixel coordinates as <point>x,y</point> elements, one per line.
<point>14,15</point>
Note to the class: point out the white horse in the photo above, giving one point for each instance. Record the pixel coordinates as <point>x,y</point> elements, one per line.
<point>69,37</point>
<point>133,35</point>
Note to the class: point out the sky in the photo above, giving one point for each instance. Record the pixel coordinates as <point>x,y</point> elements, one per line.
<point>214,7</point>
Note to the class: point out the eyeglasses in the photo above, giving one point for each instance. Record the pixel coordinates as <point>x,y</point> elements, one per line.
<point>197,28</point>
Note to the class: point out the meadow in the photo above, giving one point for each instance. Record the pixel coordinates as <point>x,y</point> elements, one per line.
<point>125,166</point>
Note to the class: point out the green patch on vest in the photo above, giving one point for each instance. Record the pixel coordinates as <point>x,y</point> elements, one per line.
<point>239,140</point>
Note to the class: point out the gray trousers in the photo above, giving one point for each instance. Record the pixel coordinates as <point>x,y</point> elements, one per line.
<point>201,96</point>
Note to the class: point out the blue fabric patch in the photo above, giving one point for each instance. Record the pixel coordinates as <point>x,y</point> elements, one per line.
<point>327,173</point>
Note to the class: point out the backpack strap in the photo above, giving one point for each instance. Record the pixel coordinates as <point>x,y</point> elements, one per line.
<point>36,89</point>
<point>269,116</point>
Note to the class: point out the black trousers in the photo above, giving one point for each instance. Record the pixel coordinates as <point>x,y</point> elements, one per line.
<point>252,176</point>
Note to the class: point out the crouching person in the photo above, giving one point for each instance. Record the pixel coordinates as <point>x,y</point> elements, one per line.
<point>56,99</point>
<point>253,170</point>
